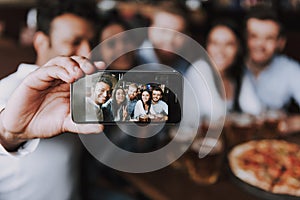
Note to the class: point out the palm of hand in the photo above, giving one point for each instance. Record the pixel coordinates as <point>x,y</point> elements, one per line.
<point>45,114</point>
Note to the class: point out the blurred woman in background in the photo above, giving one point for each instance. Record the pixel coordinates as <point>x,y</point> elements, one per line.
<point>224,46</point>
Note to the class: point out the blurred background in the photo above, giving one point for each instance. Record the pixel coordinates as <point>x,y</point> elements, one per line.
<point>17,22</point>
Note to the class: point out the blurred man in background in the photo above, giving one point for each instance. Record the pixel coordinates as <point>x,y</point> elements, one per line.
<point>164,37</point>
<point>274,77</point>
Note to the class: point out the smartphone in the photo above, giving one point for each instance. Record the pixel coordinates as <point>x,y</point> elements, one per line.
<point>132,96</point>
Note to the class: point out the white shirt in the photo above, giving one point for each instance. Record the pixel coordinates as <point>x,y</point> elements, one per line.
<point>7,86</point>
<point>159,108</point>
<point>201,97</point>
<point>49,172</point>
<point>139,109</point>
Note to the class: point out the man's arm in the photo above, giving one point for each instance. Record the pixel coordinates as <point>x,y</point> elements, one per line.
<point>40,106</point>
<point>165,108</point>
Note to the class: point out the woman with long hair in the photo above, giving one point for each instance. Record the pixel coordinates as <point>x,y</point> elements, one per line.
<point>119,105</point>
<point>143,105</point>
<point>224,46</point>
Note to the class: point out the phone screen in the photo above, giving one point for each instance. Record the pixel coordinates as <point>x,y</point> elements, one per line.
<point>127,96</point>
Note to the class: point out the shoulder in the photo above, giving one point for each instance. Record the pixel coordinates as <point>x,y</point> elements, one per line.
<point>284,67</point>
<point>9,83</point>
<point>131,101</point>
<point>139,102</point>
<point>162,103</point>
<point>107,104</point>
<point>285,59</point>
<point>286,62</point>
<point>22,71</point>
<point>199,68</point>
<point>89,101</point>
<point>201,64</point>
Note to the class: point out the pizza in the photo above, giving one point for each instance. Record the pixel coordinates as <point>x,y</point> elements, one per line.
<point>271,165</point>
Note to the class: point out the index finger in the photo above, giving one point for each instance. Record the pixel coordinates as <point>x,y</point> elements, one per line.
<point>87,66</point>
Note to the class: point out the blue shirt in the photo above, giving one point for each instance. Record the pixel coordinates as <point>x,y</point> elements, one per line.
<point>130,107</point>
<point>277,83</point>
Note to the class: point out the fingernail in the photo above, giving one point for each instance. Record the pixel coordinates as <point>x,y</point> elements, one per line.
<point>100,64</point>
<point>76,69</point>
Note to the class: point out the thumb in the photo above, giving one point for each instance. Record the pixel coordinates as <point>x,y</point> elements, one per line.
<point>100,65</point>
<point>71,126</point>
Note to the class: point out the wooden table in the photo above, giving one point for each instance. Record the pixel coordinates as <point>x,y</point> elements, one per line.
<point>171,183</point>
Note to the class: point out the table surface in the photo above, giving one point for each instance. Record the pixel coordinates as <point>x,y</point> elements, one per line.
<point>171,183</point>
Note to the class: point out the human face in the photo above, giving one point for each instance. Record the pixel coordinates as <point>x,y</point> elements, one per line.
<point>132,92</point>
<point>70,35</point>
<point>156,95</point>
<point>222,46</point>
<point>161,35</point>
<point>101,93</point>
<point>145,96</point>
<point>115,49</point>
<point>262,40</point>
<point>120,96</point>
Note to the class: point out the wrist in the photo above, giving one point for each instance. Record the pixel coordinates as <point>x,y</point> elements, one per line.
<point>9,140</point>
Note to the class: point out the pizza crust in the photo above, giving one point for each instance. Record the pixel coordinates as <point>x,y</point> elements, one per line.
<point>259,176</point>
<point>285,189</point>
<point>247,176</point>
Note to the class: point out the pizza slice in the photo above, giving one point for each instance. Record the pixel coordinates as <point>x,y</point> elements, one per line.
<point>248,165</point>
<point>287,184</point>
<point>272,165</point>
<point>289,181</point>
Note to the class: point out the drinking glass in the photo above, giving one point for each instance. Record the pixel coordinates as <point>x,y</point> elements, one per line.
<point>204,160</point>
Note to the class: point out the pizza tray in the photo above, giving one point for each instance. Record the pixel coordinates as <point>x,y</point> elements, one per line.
<point>257,192</point>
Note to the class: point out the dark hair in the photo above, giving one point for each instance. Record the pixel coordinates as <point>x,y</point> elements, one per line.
<point>157,88</point>
<point>109,18</point>
<point>48,10</point>
<point>262,12</point>
<point>235,71</point>
<point>114,105</point>
<point>112,17</point>
<point>106,78</point>
<point>149,101</point>
<point>237,66</point>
